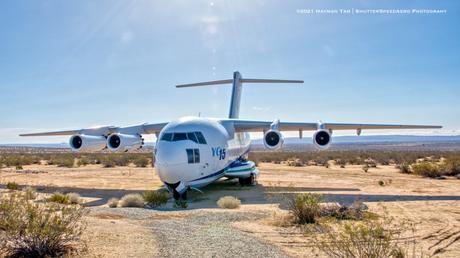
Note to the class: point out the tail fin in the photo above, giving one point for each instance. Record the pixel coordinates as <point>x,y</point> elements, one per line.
<point>237,82</point>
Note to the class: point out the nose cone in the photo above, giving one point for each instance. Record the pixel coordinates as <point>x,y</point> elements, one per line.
<point>170,162</point>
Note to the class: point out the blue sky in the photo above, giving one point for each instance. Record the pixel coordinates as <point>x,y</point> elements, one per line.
<point>74,64</point>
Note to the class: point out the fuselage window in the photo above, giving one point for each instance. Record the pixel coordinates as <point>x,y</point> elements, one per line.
<point>167,137</point>
<point>200,138</point>
<point>179,137</point>
<point>192,137</point>
<point>193,156</point>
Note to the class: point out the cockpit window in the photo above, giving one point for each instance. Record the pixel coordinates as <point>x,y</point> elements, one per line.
<point>167,137</point>
<point>200,137</point>
<point>179,137</point>
<point>192,136</point>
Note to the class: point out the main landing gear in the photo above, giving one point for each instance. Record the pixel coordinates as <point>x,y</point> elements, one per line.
<point>251,180</point>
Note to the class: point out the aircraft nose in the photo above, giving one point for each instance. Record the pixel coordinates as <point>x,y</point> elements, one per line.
<point>170,162</point>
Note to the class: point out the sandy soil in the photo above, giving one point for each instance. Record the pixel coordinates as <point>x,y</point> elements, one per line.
<point>433,205</point>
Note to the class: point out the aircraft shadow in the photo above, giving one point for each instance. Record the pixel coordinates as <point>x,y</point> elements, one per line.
<point>247,194</point>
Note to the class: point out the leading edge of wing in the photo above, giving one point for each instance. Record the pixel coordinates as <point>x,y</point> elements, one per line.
<point>106,130</point>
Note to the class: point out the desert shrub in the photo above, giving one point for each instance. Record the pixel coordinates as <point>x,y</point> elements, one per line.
<point>19,167</point>
<point>39,230</point>
<point>59,198</point>
<point>304,207</point>
<point>361,240</point>
<point>404,168</point>
<point>295,162</point>
<point>183,204</point>
<point>229,202</point>
<point>83,161</point>
<point>381,183</point>
<point>113,202</point>
<point>12,186</point>
<point>365,168</point>
<point>427,169</point>
<point>132,200</point>
<point>74,198</point>
<point>354,212</point>
<point>141,162</point>
<point>155,198</point>
<point>30,193</point>
<point>451,166</point>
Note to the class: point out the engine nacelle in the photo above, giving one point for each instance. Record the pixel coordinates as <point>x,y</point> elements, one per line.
<point>273,140</point>
<point>124,142</point>
<point>322,139</point>
<point>87,143</point>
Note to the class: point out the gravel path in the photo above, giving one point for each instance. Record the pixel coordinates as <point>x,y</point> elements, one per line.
<point>210,234</point>
<point>199,233</point>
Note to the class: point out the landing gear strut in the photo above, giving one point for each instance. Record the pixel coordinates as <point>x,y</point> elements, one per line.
<point>248,181</point>
<point>180,196</point>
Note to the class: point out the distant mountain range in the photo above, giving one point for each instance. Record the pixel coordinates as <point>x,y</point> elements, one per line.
<point>340,142</point>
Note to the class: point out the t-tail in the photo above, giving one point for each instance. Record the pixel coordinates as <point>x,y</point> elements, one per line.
<point>237,83</point>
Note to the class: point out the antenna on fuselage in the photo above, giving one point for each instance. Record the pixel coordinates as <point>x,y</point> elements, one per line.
<point>237,82</point>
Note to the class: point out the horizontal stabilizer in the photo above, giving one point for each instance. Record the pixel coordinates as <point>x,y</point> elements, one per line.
<point>219,82</point>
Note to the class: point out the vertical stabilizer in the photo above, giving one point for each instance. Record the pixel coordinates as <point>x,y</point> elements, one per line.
<point>236,96</point>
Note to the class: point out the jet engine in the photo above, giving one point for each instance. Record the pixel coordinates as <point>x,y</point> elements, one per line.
<point>273,140</point>
<point>124,142</point>
<point>322,139</point>
<point>87,143</point>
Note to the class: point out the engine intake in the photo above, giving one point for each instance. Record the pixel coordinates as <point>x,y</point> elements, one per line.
<point>273,140</point>
<point>124,142</point>
<point>322,139</point>
<point>87,143</point>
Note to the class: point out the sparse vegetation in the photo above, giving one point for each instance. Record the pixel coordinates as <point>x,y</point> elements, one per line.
<point>183,204</point>
<point>113,202</point>
<point>155,198</point>
<point>141,162</point>
<point>427,169</point>
<point>132,200</point>
<point>12,186</point>
<point>59,198</point>
<point>30,193</point>
<point>381,183</point>
<point>361,240</point>
<point>305,207</point>
<point>31,229</point>
<point>74,198</point>
<point>229,202</point>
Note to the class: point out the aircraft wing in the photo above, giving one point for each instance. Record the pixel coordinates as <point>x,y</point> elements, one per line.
<point>106,130</point>
<point>257,126</point>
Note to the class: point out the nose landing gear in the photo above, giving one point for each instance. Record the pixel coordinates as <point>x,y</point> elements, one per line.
<point>179,196</point>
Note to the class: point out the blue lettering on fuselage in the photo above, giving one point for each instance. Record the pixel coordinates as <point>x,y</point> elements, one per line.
<point>218,152</point>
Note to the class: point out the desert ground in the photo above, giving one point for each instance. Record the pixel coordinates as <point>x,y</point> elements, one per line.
<point>205,230</point>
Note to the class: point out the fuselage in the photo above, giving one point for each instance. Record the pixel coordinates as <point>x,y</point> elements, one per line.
<point>192,152</point>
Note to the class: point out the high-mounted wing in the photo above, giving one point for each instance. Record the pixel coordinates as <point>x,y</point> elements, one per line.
<point>241,125</point>
<point>106,130</point>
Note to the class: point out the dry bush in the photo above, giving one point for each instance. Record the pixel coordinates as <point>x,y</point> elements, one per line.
<point>74,198</point>
<point>295,162</point>
<point>365,168</point>
<point>281,219</point>
<point>305,207</point>
<point>113,202</point>
<point>132,200</point>
<point>155,198</point>
<point>404,168</point>
<point>229,202</point>
<point>30,193</point>
<point>362,240</point>
<point>59,198</point>
<point>182,204</point>
<point>12,186</point>
<point>141,162</point>
<point>427,169</point>
<point>38,230</point>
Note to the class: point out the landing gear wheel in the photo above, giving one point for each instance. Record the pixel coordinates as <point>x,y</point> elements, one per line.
<point>178,196</point>
<point>248,181</point>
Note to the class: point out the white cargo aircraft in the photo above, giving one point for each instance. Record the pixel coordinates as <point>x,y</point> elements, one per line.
<point>192,152</point>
